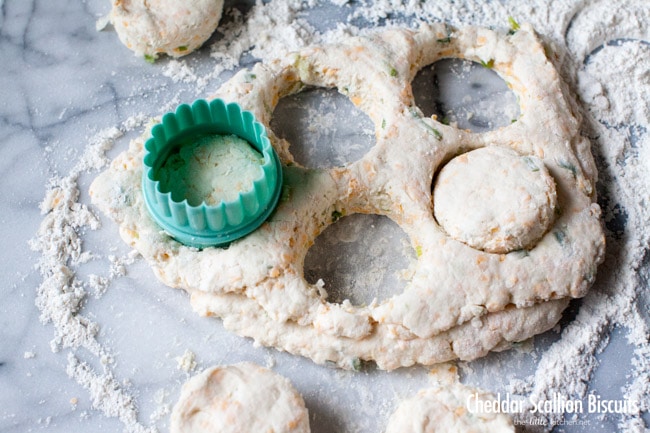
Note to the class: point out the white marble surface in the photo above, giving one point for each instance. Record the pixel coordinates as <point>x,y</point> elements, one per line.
<point>61,83</point>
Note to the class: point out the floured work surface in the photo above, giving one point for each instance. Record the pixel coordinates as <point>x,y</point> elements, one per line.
<point>481,280</point>
<point>122,335</point>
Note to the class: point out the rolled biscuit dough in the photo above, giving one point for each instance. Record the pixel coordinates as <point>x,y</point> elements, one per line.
<point>239,398</point>
<point>462,301</point>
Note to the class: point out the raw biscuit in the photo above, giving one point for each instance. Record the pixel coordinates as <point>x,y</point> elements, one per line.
<point>495,200</point>
<point>449,407</point>
<point>172,27</point>
<point>239,398</point>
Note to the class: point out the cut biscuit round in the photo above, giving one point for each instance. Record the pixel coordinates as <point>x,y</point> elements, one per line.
<point>494,199</point>
<point>239,398</point>
<point>150,28</point>
<point>453,407</point>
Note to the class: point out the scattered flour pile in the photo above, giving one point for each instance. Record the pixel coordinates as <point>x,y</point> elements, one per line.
<point>61,293</point>
<point>593,42</point>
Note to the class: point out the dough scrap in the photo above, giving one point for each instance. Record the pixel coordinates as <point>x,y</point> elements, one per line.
<point>450,407</point>
<point>172,27</point>
<point>239,398</point>
<point>462,301</point>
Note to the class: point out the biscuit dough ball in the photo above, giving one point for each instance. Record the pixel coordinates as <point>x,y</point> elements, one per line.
<point>239,398</point>
<point>172,27</point>
<point>494,199</point>
<point>452,408</point>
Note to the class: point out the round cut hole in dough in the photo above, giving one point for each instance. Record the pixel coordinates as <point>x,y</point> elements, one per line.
<point>361,258</point>
<point>465,94</point>
<point>494,199</point>
<point>239,398</point>
<point>313,121</point>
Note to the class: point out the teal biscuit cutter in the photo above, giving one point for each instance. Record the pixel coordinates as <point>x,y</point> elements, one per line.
<point>205,225</point>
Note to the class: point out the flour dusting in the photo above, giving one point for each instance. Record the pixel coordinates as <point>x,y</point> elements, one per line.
<point>61,294</point>
<point>615,92</point>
